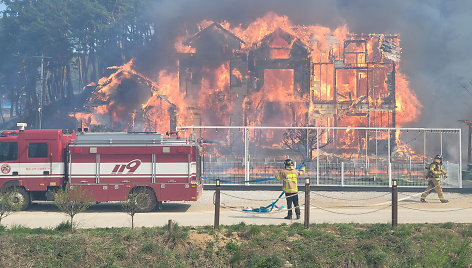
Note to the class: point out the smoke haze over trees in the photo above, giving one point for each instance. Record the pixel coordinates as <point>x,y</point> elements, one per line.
<point>84,37</point>
<point>78,40</point>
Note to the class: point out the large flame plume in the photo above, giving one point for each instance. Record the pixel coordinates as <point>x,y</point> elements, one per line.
<point>156,102</point>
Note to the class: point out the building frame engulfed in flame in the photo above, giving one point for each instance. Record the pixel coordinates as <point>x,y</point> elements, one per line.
<point>349,83</point>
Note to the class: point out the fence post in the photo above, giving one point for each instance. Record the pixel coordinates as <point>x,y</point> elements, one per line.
<point>246,156</point>
<point>460,158</point>
<point>394,203</point>
<point>307,203</point>
<point>342,173</point>
<point>216,224</point>
<point>317,156</point>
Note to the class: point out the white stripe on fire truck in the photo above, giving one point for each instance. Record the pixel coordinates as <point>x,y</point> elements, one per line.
<point>144,168</point>
<point>123,176</point>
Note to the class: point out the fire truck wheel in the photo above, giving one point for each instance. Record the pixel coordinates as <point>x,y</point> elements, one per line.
<point>145,199</point>
<point>21,197</point>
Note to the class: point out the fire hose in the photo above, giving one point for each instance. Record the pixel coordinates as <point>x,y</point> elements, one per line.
<point>262,209</point>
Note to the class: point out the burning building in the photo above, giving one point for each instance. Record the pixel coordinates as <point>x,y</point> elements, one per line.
<point>267,73</point>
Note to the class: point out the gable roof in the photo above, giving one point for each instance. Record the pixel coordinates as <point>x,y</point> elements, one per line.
<point>289,38</point>
<point>208,30</point>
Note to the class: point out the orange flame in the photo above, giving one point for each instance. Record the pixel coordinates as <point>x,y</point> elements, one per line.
<point>361,97</point>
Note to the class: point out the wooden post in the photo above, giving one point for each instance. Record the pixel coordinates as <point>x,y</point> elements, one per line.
<point>216,224</point>
<point>469,146</point>
<point>307,203</point>
<point>170,226</point>
<point>394,203</point>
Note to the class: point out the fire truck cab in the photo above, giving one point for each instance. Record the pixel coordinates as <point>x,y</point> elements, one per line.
<point>106,166</point>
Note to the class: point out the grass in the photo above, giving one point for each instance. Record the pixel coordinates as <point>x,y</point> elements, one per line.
<point>241,245</point>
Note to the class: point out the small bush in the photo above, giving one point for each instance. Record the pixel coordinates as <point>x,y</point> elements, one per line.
<point>148,248</point>
<point>236,228</point>
<point>466,231</point>
<point>376,257</point>
<point>72,201</point>
<point>447,225</point>
<point>232,247</point>
<point>9,203</point>
<point>271,261</point>
<point>63,227</point>
<point>254,230</point>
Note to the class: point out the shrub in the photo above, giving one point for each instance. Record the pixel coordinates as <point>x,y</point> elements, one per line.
<point>63,226</point>
<point>9,203</point>
<point>72,201</point>
<point>271,261</point>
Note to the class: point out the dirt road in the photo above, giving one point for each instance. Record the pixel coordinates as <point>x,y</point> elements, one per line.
<point>326,207</point>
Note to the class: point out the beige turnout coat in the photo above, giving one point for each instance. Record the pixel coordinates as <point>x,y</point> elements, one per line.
<point>289,178</point>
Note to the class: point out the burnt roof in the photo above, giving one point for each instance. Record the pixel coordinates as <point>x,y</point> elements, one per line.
<point>210,30</point>
<point>289,38</point>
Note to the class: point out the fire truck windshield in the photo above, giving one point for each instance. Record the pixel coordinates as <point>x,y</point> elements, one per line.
<point>8,151</point>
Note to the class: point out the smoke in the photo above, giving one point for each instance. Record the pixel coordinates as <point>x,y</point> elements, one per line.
<point>434,39</point>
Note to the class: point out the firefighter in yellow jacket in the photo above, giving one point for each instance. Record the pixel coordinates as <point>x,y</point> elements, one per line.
<point>434,172</point>
<point>289,177</point>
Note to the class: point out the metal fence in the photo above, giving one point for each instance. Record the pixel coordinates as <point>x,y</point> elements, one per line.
<point>370,157</point>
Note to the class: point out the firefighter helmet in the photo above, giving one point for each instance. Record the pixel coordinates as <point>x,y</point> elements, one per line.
<point>438,156</point>
<point>288,162</point>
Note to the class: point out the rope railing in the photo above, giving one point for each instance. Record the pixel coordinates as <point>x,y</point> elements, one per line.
<point>352,214</point>
<point>316,202</point>
<point>436,210</point>
<point>346,199</point>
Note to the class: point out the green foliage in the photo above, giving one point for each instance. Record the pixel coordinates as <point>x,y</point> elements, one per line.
<point>130,206</point>
<point>448,225</point>
<point>327,245</point>
<point>176,235</point>
<point>72,201</point>
<point>8,203</point>
<point>63,226</point>
<point>273,260</point>
<point>254,230</point>
<point>235,228</point>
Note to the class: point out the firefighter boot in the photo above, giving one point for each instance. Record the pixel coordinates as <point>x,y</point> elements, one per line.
<point>297,211</point>
<point>289,216</point>
<point>423,200</point>
<point>444,200</point>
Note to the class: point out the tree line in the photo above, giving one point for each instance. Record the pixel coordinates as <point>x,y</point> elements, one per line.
<point>67,43</point>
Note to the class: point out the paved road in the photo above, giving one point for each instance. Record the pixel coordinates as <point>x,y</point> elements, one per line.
<point>327,207</point>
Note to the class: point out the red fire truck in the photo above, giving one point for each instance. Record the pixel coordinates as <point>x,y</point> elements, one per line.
<point>107,166</point>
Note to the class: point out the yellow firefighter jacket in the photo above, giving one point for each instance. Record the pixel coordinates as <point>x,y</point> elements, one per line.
<point>435,170</point>
<point>289,178</point>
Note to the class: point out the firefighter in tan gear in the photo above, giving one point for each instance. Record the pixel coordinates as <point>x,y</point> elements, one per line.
<point>434,172</point>
<point>289,177</point>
